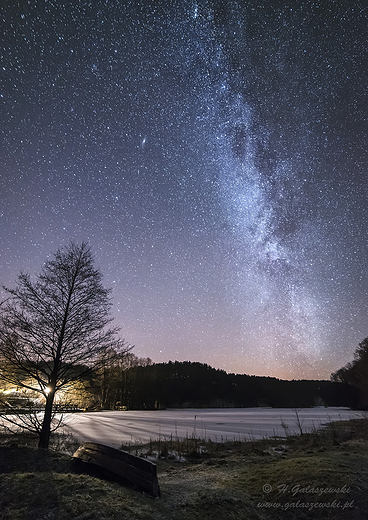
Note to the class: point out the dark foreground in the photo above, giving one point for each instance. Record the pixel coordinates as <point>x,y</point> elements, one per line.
<point>319,475</point>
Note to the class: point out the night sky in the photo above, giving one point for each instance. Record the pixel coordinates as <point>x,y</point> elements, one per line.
<point>214,156</point>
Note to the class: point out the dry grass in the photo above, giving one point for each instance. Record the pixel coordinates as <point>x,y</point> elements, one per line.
<point>268,479</point>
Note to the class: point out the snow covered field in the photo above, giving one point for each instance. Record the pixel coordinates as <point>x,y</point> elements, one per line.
<point>114,428</point>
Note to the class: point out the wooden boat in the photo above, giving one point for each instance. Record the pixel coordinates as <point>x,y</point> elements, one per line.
<point>120,465</point>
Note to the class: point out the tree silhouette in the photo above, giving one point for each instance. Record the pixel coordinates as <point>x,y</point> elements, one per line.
<point>356,372</point>
<point>55,330</point>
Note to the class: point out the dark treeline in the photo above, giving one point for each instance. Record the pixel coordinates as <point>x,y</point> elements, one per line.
<point>130,382</point>
<point>196,385</point>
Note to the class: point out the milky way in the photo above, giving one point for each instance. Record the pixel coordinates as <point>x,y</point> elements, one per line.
<point>214,156</point>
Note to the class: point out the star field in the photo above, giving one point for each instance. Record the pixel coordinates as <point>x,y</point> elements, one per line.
<point>214,156</point>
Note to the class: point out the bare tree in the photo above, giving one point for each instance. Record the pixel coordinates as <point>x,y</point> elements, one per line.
<point>111,380</point>
<point>56,329</point>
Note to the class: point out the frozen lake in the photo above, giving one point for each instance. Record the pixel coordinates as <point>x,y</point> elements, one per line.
<point>114,428</point>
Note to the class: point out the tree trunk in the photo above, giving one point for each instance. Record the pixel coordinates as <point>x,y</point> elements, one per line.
<point>44,437</point>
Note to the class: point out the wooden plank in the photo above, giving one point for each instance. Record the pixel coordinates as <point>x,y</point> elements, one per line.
<point>130,468</point>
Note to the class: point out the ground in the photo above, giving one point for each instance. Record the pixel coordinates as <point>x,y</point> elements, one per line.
<point>321,475</point>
